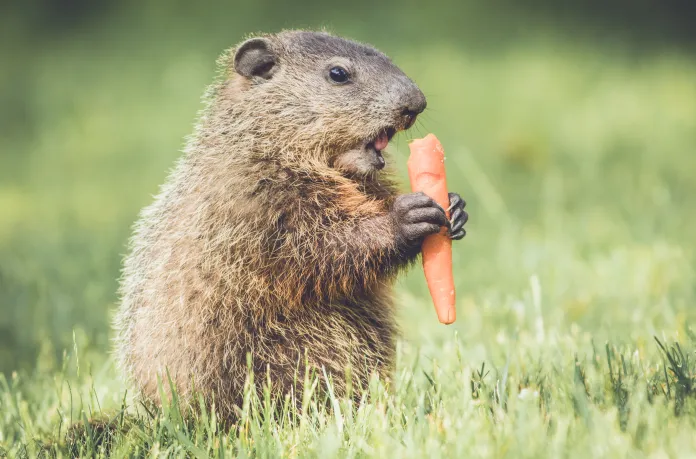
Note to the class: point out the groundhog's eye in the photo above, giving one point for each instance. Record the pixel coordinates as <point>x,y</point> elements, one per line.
<point>339,74</point>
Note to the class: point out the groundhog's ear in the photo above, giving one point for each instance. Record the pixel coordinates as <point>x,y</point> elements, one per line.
<point>254,57</point>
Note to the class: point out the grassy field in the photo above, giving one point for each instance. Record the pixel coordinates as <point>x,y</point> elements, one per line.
<point>577,159</point>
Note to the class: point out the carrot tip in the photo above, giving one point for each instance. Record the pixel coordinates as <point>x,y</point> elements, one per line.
<point>449,319</point>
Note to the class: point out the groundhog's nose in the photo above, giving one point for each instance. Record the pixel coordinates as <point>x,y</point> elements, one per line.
<point>414,103</point>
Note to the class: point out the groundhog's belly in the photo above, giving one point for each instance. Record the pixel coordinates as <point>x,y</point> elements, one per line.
<point>211,349</point>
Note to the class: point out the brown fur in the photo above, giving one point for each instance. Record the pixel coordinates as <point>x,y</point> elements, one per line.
<point>262,242</point>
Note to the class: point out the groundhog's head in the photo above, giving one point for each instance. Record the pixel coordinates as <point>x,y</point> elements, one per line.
<point>337,100</point>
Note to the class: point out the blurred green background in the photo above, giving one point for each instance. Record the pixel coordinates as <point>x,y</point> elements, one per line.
<point>570,129</point>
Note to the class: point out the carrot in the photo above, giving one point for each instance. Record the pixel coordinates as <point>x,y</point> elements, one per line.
<point>426,170</point>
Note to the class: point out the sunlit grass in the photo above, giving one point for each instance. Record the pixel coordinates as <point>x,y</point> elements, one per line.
<point>550,396</point>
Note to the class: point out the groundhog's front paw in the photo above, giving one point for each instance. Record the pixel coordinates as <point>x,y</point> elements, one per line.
<point>458,216</point>
<point>416,216</point>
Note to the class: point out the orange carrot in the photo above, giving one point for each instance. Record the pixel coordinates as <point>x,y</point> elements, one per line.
<point>426,170</point>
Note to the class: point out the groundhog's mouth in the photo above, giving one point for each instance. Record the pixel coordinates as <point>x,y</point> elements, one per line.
<point>379,143</point>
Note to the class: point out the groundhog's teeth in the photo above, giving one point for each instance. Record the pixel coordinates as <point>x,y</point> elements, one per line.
<point>380,161</point>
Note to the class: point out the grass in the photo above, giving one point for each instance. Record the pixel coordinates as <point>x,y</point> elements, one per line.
<point>609,402</point>
<point>575,282</point>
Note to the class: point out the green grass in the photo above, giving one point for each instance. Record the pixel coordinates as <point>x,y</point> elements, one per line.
<point>577,160</point>
<point>555,396</point>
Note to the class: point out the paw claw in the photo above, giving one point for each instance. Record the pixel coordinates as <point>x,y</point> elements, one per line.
<point>458,235</point>
<point>458,216</point>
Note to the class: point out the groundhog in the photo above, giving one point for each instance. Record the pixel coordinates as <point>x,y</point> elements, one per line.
<point>277,236</point>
